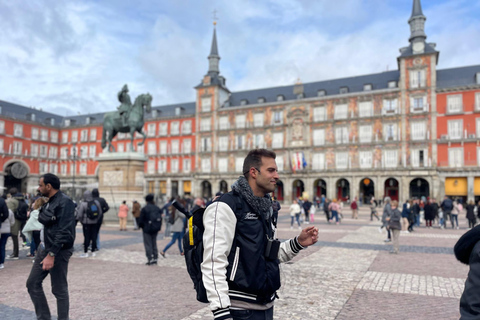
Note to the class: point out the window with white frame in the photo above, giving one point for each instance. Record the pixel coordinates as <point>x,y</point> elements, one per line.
<point>455,129</point>
<point>65,137</point>
<point>417,78</point>
<point>1,146</point>
<point>341,135</point>
<point>277,140</point>
<point>84,152</point>
<point>419,158</point>
<point>390,158</point>
<point>84,135</point>
<point>223,143</point>
<point>454,103</point>
<point>205,124</point>
<point>53,168</point>
<point>151,130</point>
<point>341,111</point>
<point>222,164</point>
<point>365,134</point>
<point>478,127</point>
<point>280,164</point>
<point>2,127</point>
<point>206,167</point>
<point>34,133</point>
<point>187,127</point>
<point>240,142</point>
<point>187,145</point>
<point>63,153</point>
<point>93,134</point>
<point>163,147</point>
<point>206,144</point>
<point>74,136</point>
<point>162,166</point>
<point>34,150</point>
<point>120,147</point>
<point>175,129</point>
<point>277,117</point>
<point>175,146</point>
<point>186,165</point>
<point>319,114</point>
<point>93,151</point>
<point>44,135</point>
<point>223,122</point>
<point>43,151</point>
<point>53,153</point>
<point>151,166</point>
<point>239,164</point>
<point>240,121</point>
<point>258,120</point>
<point>152,148</point>
<point>163,129</point>
<point>418,104</point>
<point>174,165</point>
<point>390,106</point>
<point>54,136</point>
<point>83,168</point>
<point>477,101</point>
<point>418,130</point>
<point>17,130</point>
<point>63,169</point>
<point>206,104</point>
<point>478,156</point>
<point>365,158</point>
<point>365,109</point>
<point>390,131</point>
<point>341,160</point>
<point>318,137</point>
<point>258,141</point>
<point>318,161</point>
<point>43,167</point>
<point>455,157</point>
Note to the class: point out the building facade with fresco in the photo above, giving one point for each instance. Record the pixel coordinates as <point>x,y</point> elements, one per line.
<point>405,133</point>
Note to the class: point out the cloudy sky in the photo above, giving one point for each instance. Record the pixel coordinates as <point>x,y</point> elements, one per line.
<point>70,57</point>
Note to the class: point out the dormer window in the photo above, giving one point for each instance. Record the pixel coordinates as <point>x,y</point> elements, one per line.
<point>261,100</point>
<point>67,122</point>
<point>301,95</point>
<point>178,111</point>
<point>367,87</point>
<point>88,120</point>
<point>478,81</point>
<point>154,114</point>
<point>280,97</point>
<point>392,84</point>
<point>343,90</point>
<point>52,121</point>
<point>321,93</point>
<point>31,116</point>
<point>243,102</point>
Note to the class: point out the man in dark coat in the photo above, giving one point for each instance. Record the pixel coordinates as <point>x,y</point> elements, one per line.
<point>429,214</point>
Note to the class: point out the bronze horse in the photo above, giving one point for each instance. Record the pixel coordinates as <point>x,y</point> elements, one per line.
<point>112,122</point>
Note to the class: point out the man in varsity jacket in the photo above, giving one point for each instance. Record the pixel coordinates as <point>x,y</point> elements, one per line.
<point>241,258</point>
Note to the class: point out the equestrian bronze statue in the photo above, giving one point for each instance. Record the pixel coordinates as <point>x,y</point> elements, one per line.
<point>128,118</point>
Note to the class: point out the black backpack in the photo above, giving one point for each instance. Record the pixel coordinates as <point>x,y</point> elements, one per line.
<point>154,223</point>
<point>3,211</point>
<point>193,248</point>
<point>93,211</point>
<point>22,211</point>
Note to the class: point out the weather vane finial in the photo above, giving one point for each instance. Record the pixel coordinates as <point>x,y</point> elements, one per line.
<point>215,18</point>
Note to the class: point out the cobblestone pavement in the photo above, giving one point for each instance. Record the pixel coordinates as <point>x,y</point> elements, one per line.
<point>348,274</point>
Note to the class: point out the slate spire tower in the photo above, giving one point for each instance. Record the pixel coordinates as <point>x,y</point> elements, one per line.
<point>417,23</point>
<point>214,58</point>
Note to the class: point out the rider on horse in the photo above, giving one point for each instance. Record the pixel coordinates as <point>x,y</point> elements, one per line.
<point>126,106</point>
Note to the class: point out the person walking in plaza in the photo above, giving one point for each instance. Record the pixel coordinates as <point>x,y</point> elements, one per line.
<point>405,215</point>
<point>136,214</point>
<point>5,228</point>
<point>457,209</point>
<point>373,211</point>
<point>354,207</point>
<point>472,220</point>
<point>105,208</point>
<point>241,281</point>
<point>177,229</point>
<point>334,207</point>
<point>416,211</point>
<point>429,214</point>
<point>306,205</point>
<point>447,207</point>
<point>33,227</point>
<point>122,215</point>
<point>151,223</point>
<point>387,212</point>
<point>53,254</point>
<point>295,214</point>
<point>326,209</point>
<point>17,204</point>
<point>313,209</point>
<point>88,213</point>
<point>394,225</point>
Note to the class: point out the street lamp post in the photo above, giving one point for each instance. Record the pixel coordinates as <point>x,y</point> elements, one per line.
<point>74,159</point>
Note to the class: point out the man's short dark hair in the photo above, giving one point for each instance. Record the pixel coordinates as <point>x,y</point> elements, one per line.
<point>52,179</point>
<point>95,193</point>
<point>149,197</point>
<point>13,191</point>
<point>254,159</point>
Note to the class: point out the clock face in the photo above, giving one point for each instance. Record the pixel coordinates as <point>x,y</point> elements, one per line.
<point>19,171</point>
<point>418,47</point>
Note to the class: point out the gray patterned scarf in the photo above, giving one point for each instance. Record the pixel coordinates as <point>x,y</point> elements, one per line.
<point>261,205</point>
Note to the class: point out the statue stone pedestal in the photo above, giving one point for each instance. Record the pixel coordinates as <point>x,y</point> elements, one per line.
<point>121,177</point>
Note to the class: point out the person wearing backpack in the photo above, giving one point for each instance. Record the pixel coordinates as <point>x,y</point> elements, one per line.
<point>447,207</point>
<point>5,228</point>
<point>88,212</point>
<point>105,208</point>
<point>20,210</point>
<point>177,229</point>
<point>151,223</point>
<point>241,255</point>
